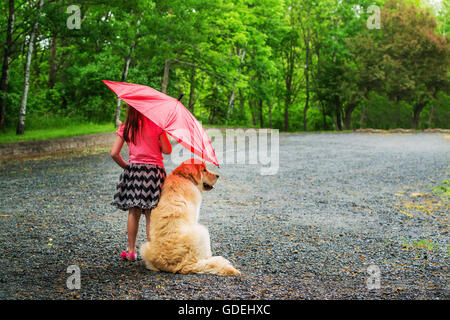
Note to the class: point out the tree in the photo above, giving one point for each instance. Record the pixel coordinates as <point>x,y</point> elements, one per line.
<point>290,47</point>
<point>411,60</point>
<point>23,103</point>
<point>8,47</point>
<point>294,64</point>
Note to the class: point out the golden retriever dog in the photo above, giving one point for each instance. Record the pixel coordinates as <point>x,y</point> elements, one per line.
<point>178,242</point>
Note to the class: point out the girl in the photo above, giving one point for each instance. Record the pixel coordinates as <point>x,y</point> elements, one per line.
<point>140,183</point>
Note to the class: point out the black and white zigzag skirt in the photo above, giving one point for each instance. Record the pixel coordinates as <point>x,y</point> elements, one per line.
<point>139,186</point>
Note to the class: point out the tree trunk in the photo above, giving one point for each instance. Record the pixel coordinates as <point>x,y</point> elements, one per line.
<point>252,112</point>
<point>192,91</point>
<point>124,78</point>
<point>289,94</point>
<point>417,110</point>
<point>307,59</point>
<point>37,65</point>
<point>305,109</point>
<point>166,76</point>
<point>338,114</point>
<point>5,66</point>
<point>26,86</point>
<point>286,115</point>
<point>231,103</point>
<point>53,65</point>
<point>242,104</point>
<point>287,101</point>
<point>241,55</point>
<point>324,116</point>
<point>430,117</point>
<point>348,115</point>
<point>261,118</point>
<point>347,121</point>
<point>22,47</point>
<point>213,115</point>
<point>363,116</point>
<point>338,120</point>
<point>270,114</point>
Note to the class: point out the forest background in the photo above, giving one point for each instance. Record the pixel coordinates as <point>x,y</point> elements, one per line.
<point>293,65</point>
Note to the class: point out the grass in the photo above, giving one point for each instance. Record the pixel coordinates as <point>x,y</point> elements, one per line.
<point>73,129</point>
<point>44,127</point>
<point>443,190</point>
<point>420,244</point>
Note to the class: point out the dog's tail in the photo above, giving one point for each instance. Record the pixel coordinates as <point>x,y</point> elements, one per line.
<point>215,265</point>
<point>145,253</point>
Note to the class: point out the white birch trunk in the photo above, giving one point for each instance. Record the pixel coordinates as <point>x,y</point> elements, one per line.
<point>26,86</point>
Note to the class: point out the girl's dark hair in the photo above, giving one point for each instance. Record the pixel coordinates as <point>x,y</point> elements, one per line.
<point>132,124</point>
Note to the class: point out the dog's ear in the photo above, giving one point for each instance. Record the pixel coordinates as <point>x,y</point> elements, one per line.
<point>189,171</point>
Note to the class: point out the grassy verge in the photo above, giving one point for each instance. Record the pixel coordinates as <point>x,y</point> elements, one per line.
<point>75,129</point>
<point>59,127</point>
<point>69,130</point>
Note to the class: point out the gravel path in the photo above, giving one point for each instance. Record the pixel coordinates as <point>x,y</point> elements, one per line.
<point>339,203</point>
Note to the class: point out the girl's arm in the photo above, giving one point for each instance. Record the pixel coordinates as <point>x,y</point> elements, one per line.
<point>166,147</point>
<point>115,152</point>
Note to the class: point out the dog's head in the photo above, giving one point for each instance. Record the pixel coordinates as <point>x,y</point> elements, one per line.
<point>196,171</point>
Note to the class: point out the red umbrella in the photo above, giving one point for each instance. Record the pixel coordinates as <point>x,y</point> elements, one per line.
<point>169,114</point>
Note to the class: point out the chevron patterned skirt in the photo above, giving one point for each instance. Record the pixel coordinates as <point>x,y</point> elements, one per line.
<point>139,186</point>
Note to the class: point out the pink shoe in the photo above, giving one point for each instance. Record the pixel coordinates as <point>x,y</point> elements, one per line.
<point>130,256</point>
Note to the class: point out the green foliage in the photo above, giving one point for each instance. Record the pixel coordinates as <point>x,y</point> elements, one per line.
<point>443,190</point>
<point>420,244</point>
<point>380,112</point>
<point>239,62</point>
<point>37,129</point>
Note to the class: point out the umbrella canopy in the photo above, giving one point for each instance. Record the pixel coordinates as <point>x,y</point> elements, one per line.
<point>169,114</point>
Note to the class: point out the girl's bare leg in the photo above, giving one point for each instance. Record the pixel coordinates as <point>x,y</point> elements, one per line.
<point>132,228</point>
<point>147,223</point>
